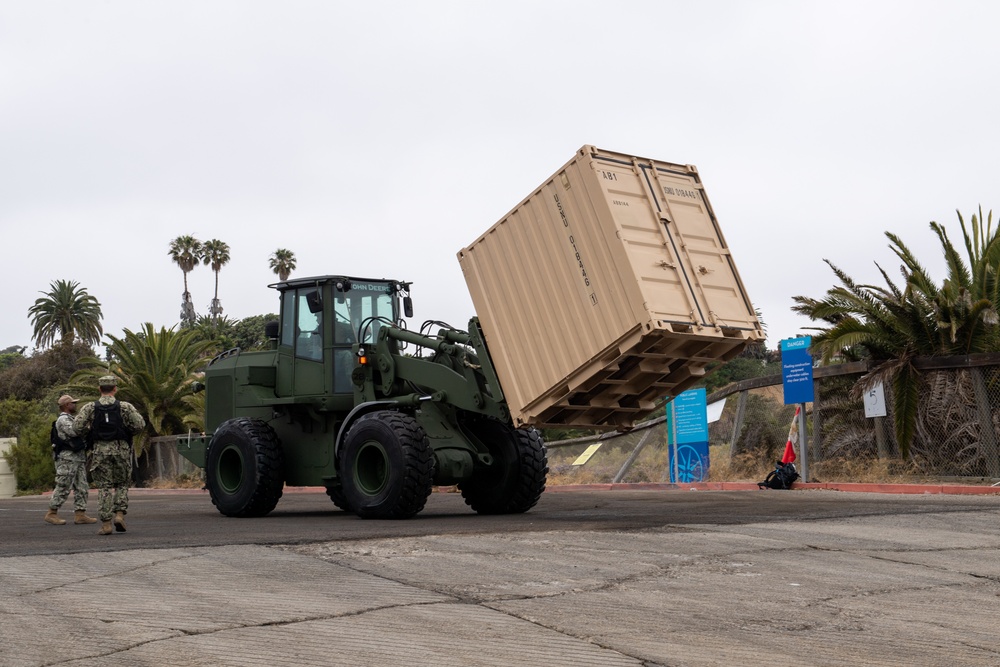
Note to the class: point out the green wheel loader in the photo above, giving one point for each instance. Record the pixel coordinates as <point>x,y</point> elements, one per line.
<point>347,398</point>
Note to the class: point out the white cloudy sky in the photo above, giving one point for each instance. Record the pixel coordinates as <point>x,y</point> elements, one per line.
<point>377,139</point>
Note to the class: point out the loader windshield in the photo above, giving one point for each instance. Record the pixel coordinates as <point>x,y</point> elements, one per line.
<point>354,311</point>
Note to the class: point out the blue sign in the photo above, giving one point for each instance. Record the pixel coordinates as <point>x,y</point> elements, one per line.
<point>797,370</point>
<point>687,437</point>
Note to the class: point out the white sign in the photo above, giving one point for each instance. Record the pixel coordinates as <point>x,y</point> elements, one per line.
<point>715,411</point>
<point>875,401</point>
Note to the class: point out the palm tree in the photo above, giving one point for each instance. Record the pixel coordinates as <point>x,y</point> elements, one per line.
<point>155,370</point>
<point>66,312</point>
<point>186,252</point>
<point>892,325</point>
<point>215,253</point>
<point>282,263</point>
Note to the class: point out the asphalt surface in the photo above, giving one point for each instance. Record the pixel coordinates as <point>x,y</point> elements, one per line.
<point>588,577</point>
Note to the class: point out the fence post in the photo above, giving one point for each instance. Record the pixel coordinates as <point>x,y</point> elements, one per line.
<point>803,443</point>
<point>817,439</point>
<point>633,456</point>
<point>987,435</point>
<point>159,462</point>
<point>741,406</point>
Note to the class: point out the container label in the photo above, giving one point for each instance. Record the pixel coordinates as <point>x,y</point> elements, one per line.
<point>679,192</point>
<point>576,252</point>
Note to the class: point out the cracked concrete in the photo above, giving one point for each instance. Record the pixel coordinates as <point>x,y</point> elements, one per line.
<point>893,589</point>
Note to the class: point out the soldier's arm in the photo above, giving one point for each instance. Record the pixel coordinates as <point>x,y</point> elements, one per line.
<point>81,423</point>
<point>133,420</point>
<point>65,428</point>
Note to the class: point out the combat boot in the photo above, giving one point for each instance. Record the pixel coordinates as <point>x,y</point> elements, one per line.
<point>105,528</point>
<point>120,522</point>
<point>81,517</point>
<point>50,517</point>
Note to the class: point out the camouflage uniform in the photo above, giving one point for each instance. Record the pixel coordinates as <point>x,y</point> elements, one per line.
<point>111,460</point>
<point>71,469</point>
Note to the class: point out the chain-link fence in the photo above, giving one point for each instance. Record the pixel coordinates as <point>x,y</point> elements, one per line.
<point>956,432</point>
<point>163,464</point>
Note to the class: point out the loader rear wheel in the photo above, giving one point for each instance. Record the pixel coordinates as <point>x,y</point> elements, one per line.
<point>387,466</point>
<point>516,479</point>
<point>244,468</point>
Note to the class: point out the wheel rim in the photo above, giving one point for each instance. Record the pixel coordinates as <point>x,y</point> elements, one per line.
<point>230,472</point>
<point>371,468</point>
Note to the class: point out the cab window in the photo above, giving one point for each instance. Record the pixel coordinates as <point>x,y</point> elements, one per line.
<point>308,325</point>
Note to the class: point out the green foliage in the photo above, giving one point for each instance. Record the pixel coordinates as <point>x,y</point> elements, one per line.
<point>194,419</point>
<point>8,359</point>
<point>248,333</point>
<point>738,369</point>
<point>224,333</point>
<point>185,251</point>
<point>218,332</point>
<point>66,312</point>
<point>31,457</point>
<point>14,414</point>
<point>557,434</point>
<point>155,370</point>
<point>282,262</point>
<point>215,253</point>
<point>33,378</point>
<point>891,325</point>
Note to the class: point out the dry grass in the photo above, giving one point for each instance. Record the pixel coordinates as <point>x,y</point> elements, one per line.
<point>874,471</point>
<point>195,480</point>
<point>651,466</point>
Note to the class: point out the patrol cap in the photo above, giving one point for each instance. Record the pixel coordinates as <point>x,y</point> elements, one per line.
<point>107,381</point>
<point>66,399</point>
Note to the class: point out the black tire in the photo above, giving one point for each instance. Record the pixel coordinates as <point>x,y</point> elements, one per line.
<point>516,479</point>
<point>336,494</point>
<point>386,466</point>
<point>244,468</point>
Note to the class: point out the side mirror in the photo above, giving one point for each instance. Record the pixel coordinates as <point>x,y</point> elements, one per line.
<point>408,306</point>
<point>315,302</point>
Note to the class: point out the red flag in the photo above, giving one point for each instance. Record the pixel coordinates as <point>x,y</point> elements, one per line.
<point>793,438</point>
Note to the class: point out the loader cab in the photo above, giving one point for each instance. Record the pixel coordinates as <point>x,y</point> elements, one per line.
<point>321,320</point>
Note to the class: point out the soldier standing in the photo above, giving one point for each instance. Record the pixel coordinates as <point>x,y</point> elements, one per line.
<point>112,423</point>
<point>71,466</point>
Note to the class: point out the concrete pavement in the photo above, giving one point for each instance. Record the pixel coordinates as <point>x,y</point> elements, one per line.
<point>918,585</point>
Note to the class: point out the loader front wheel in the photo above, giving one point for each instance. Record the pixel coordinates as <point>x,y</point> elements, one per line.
<point>387,466</point>
<point>336,494</point>
<point>516,479</point>
<point>244,468</point>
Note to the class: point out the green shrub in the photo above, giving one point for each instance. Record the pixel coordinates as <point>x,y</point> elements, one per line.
<point>31,458</point>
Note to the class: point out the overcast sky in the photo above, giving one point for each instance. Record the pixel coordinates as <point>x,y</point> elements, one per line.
<point>378,139</point>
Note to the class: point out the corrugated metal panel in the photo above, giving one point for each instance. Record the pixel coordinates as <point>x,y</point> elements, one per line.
<point>606,289</point>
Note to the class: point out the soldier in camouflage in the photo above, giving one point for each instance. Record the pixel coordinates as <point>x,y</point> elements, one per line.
<point>111,463</point>
<point>71,468</point>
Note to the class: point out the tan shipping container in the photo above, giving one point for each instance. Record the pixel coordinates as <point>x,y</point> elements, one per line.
<point>606,290</point>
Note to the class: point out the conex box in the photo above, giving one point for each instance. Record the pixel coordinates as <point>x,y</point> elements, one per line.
<point>606,290</point>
